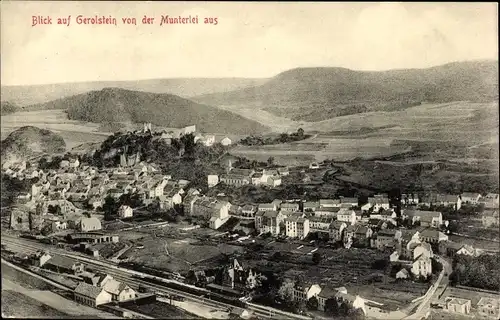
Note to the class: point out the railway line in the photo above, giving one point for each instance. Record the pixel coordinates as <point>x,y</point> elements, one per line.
<point>133,278</point>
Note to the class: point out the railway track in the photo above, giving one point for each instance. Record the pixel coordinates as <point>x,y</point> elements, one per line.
<point>127,277</point>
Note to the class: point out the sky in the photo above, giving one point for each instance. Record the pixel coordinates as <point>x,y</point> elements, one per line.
<point>252,40</point>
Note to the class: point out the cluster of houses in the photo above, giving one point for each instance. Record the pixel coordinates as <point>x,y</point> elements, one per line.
<point>374,225</point>
<point>242,177</point>
<point>93,288</point>
<point>167,136</point>
<point>56,192</point>
<point>304,290</point>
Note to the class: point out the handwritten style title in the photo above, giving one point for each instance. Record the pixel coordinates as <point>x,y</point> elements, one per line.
<point>110,20</point>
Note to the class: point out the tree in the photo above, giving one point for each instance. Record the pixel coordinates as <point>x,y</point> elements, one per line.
<point>312,303</point>
<point>300,132</point>
<point>46,230</point>
<point>109,207</point>
<point>270,161</point>
<point>301,307</point>
<point>343,309</point>
<point>285,292</point>
<point>332,307</point>
<point>316,258</point>
<point>283,138</point>
<point>356,314</point>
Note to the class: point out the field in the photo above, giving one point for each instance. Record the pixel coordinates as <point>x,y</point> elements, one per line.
<point>375,134</point>
<point>17,305</point>
<point>350,268</point>
<point>175,255</point>
<point>365,135</point>
<point>27,281</point>
<point>74,133</point>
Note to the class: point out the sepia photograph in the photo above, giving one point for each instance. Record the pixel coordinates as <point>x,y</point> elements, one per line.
<point>250,160</point>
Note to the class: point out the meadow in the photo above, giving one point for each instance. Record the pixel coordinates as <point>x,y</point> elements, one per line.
<point>427,127</point>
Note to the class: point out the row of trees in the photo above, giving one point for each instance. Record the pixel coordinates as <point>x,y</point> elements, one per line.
<point>282,138</point>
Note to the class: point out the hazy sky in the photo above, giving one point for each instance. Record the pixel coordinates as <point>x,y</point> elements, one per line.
<point>250,39</point>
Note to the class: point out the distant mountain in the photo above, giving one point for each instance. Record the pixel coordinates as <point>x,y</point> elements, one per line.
<point>29,141</point>
<point>112,105</point>
<point>184,87</point>
<point>7,107</point>
<point>313,94</point>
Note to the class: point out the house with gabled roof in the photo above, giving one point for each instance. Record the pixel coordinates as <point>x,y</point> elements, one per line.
<point>427,218</point>
<point>310,206</point>
<point>61,264</point>
<point>488,308</point>
<point>119,291</point>
<point>267,207</point>
<point>268,221</point>
<point>304,290</point>
<point>442,199</point>
<point>91,295</point>
<point>249,210</point>
<point>362,235</point>
<point>296,227</point>
<point>376,203</point>
<point>329,203</point>
<point>421,266</point>
<point>326,212</point>
<point>347,216</point>
<point>470,197</point>
<point>320,223</point>
<point>349,202</point>
<point>432,236</point>
<point>490,217</point>
<point>290,207</point>
<point>385,239</point>
<point>491,200</point>
<point>457,305</point>
<point>325,294</point>
<point>336,230</point>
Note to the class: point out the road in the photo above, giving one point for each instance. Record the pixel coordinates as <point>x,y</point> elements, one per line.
<point>125,275</point>
<point>433,294</point>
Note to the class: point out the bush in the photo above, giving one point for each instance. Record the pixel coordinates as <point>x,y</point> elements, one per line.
<point>480,272</point>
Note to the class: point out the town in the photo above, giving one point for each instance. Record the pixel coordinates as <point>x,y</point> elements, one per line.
<point>122,233</point>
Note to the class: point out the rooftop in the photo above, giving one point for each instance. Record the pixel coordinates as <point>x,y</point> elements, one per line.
<point>62,262</point>
<point>420,213</point>
<point>88,290</point>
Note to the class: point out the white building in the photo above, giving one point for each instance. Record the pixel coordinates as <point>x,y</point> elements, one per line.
<point>91,295</point>
<point>226,141</point>
<point>125,212</point>
<point>422,266</point>
<point>304,292</point>
<point>90,224</point>
<point>470,197</point>
<point>208,140</point>
<point>297,227</point>
<point>347,215</point>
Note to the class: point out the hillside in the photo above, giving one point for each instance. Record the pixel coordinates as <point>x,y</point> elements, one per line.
<point>111,105</point>
<point>7,108</point>
<point>29,141</point>
<point>314,94</point>
<point>184,87</point>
